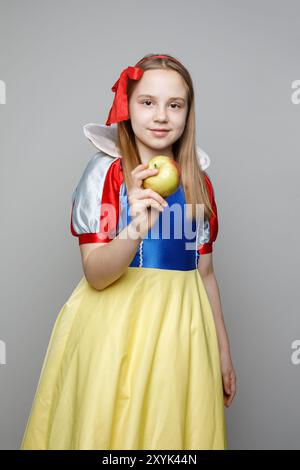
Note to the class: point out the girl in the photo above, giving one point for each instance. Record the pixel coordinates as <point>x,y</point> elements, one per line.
<point>139,357</point>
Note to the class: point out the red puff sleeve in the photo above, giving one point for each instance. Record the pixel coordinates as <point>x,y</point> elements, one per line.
<point>211,227</point>
<point>95,201</point>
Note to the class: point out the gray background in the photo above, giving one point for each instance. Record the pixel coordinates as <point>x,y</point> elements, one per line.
<point>59,60</point>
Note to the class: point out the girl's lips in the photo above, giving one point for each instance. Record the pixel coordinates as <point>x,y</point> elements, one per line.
<point>159,133</point>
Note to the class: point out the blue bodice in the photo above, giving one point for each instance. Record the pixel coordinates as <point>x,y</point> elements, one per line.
<point>172,241</point>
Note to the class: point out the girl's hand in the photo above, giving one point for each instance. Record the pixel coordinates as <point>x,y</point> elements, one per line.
<point>145,204</point>
<point>229,378</point>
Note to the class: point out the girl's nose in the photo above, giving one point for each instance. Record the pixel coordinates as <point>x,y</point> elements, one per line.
<point>161,114</point>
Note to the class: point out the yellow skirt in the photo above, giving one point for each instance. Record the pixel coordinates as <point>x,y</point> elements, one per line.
<point>135,366</point>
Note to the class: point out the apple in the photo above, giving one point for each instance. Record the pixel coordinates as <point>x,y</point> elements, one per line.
<point>167,180</point>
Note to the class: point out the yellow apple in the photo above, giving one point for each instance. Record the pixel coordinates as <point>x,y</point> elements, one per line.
<point>167,180</point>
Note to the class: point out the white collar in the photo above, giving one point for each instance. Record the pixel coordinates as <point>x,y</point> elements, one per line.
<point>105,138</point>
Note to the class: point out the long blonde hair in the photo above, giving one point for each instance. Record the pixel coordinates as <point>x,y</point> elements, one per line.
<point>184,149</point>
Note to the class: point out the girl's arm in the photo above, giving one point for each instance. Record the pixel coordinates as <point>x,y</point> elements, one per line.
<point>206,270</point>
<point>104,259</point>
<point>104,263</point>
<point>205,267</point>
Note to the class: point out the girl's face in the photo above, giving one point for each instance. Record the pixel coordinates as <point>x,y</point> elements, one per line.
<point>158,101</point>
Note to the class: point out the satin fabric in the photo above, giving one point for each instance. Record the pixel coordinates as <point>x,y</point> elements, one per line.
<point>135,366</point>
<point>171,243</point>
<point>100,211</point>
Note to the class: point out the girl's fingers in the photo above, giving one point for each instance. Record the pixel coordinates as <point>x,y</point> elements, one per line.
<point>141,175</point>
<point>144,204</point>
<point>229,388</point>
<point>139,168</point>
<point>146,172</point>
<point>141,172</point>
<point>145,193</point>
<point>151,203</point>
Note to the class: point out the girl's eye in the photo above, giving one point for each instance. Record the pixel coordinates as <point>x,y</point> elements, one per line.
<point>149,101</point>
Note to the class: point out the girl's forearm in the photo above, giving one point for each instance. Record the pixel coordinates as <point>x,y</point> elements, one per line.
<point>106,264</point>
<point>213,293</point>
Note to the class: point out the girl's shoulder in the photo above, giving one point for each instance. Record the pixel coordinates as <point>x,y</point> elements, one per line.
<point>101,170</point>
<point>211,227</point>
<point>209,186</point>
<point>98,187</point>
<point>106,165</point>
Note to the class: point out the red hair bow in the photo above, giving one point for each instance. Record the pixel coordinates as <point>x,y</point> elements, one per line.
<point>119,110</point>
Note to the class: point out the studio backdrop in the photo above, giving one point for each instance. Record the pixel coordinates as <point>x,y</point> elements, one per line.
<point>58,61</point>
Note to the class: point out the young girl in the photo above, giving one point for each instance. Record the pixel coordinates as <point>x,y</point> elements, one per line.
<point>139,357</point>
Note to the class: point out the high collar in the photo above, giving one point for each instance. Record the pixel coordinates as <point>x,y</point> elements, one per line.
<point>105,137</point>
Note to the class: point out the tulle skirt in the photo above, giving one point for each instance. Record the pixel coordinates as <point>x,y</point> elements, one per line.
<point>134,366</point>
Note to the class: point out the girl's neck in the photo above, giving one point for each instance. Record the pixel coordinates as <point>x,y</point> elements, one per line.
<point>146,153</point>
